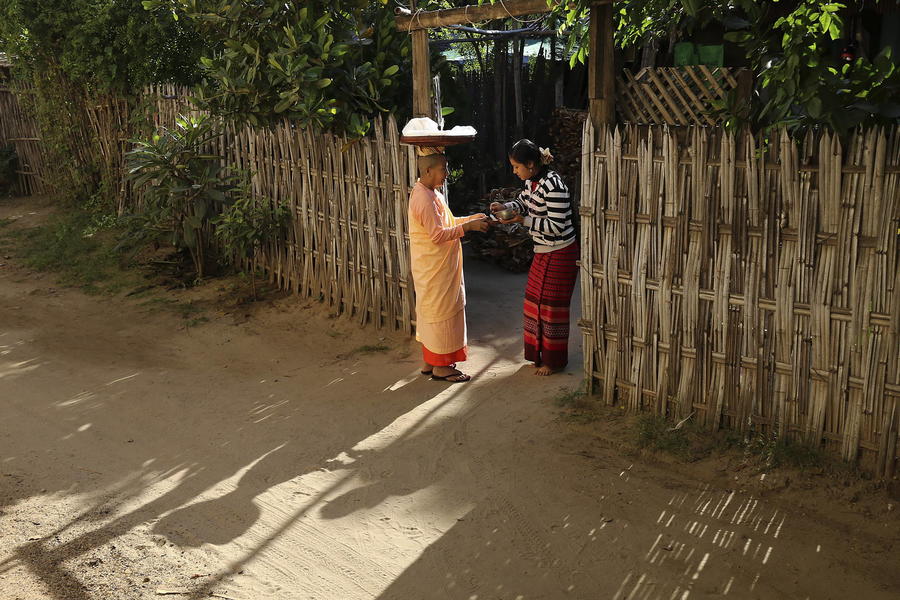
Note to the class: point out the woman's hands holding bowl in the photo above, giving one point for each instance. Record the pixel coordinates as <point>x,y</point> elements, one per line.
<point>504,214</point>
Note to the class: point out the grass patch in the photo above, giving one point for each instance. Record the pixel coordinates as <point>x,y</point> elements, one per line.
<point>577,405</point>
<point>686,441</point>
<point>71,246</point>
<point>784,452</point>
<point>655,433</point>
<point>692,442</point>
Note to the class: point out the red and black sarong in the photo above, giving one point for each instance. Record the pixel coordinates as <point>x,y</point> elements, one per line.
<point>548,294</point>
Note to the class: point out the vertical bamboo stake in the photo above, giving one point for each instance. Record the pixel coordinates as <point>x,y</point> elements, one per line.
<point>691,279</point>
<point>665,307</point>
<point>588,289</point>
<point>639,339</point>
<point>722,280</point>
<point>610,262</point>
<point>823,366</point>
<point>857,278</point>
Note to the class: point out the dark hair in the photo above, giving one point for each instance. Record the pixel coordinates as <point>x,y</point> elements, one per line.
<point>525,151</point>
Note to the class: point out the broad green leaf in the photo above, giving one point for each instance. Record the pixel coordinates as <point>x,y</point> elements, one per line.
<point>814,107</point>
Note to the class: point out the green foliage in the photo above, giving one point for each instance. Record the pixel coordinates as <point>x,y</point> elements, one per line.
<point>184,187</point>
<point>72,246</point>
<point>775,452</point>
<point>70,156</point>
<point>802,83</point>
<point>66,54</point>
<point>247,224</point>
<point>789,47</point>
<point>325,63</point>
<point>103,44</point>
<point>656,433</point>
<point>640,22</point>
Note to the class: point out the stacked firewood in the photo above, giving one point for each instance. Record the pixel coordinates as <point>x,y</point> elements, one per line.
<point>507,246</point>
<point>566,132</point>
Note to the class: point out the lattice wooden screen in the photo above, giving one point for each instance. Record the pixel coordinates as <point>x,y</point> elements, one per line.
<point>674,95</point>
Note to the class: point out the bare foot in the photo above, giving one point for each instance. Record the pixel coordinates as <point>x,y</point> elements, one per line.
<point>544,370</point>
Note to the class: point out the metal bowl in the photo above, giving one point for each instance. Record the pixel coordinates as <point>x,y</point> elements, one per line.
<point>506,214</point>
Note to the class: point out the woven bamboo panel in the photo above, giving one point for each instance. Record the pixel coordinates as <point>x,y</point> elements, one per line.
<point>102,123</point>
<point>747,289</point>
<point>673,95</point>
<point>108,123</point>
<point>348,243</point>
<point>19,130</point>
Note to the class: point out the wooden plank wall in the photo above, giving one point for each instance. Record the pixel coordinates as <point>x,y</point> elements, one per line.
<point>748,283</point>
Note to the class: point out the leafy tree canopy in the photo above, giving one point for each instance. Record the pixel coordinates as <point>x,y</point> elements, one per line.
<point>106,44</point>
<point>331,63</point>
<point>789,45</point>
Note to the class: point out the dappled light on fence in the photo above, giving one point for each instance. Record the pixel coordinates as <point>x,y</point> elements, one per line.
<point>748,281</point>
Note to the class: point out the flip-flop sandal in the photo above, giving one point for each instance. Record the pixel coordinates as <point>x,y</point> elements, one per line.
<point>453,366</point>
<point>462,377</point>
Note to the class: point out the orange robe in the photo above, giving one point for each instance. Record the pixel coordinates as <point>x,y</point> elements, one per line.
<point>436,262</point>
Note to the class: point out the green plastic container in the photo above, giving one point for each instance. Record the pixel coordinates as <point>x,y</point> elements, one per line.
<point>685,54</point>
<point>711,55</point>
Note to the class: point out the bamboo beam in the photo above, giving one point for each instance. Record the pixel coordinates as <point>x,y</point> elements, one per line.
<point>411,21</point>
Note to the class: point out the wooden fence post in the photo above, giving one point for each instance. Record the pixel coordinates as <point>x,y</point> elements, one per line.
<point>601,66</point>
<point>421,64</point>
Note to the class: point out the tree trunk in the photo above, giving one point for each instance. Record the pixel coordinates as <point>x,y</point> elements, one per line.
<point>559,98</point>
<point>499,96</point>
<point>517,60</point>
<point>481,92</point>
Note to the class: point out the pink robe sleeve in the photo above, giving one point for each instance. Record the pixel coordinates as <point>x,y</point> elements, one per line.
<point>461,220</point>
<point>424,210</point>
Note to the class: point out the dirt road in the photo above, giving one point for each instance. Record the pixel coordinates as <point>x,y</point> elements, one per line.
<point>296,456</point>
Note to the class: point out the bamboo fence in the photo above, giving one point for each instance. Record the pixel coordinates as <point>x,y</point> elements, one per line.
<point>747,283</point>
<point>102,123</point>
<point>750,284</point>
<point>676,95</point>
<point>348,240</point>
<point>19,130</point>
<point>108,123</point>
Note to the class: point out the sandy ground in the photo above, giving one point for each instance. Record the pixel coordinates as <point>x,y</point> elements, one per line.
<point>275,457</point>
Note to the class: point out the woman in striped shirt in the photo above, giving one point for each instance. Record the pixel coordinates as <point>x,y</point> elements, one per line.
<point>545,209</point>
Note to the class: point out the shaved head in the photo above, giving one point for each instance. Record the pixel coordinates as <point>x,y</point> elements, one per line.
<point>427,162</point>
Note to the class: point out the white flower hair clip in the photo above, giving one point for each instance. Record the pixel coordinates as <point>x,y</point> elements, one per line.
<point>546,157</point>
